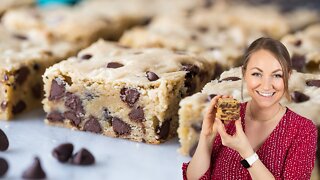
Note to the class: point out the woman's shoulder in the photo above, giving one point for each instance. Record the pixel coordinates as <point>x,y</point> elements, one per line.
<point>297,121</point>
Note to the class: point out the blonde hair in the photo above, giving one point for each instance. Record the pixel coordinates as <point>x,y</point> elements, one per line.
<point>278,50</point>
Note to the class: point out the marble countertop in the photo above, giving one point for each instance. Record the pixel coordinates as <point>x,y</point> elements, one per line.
<point>116,159</point>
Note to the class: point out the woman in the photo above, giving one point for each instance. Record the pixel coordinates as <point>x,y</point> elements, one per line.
<point>269,141</point>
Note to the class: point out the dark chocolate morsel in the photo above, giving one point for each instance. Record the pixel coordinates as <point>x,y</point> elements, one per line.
<point>299,97</point>
<point>4,142</point>
<point>63,152</point>
<point>19,107</point>
<point>313,82</point>
<point>120,127</point>
<point>55,116</point>
<point>4,166</point>
<point>35,171</point>
<point>83,157</point>
<point>92,125</point>
<point>152,76</point>
<point>164,129</point>
<point>114,65</point>
<point>21,75</point>
<point>57,90</point>
<point>137,114</point>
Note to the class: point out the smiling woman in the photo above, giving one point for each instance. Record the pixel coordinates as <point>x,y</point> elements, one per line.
<point>269,141</point>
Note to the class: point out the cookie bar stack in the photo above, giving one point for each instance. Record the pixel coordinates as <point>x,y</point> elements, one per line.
<point>228,109</point>
<point>121,92</point>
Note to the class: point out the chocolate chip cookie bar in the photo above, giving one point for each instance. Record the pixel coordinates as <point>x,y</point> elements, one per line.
<point>304,90</point>
<point>228,109</point>
<point>23,59</point>
<point>121,92</point>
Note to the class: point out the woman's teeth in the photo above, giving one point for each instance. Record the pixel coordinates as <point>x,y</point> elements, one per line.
<point>265,94</point>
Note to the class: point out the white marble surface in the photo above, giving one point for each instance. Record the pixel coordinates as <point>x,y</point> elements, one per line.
<point>115,158</point>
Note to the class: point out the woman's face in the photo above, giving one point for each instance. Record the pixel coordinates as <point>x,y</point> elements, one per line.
<point>264,78</point>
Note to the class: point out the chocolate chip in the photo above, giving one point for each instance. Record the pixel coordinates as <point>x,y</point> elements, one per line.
<point>4,105</point>
<point>35,171</point>
<point>114,65</point>
<point>63,152</point>
<point>191,86</point>
<point>74,103</point>
<point>197,126</point>
<point>152,76</point>
<point>92,125</point>
<point>73,117</point>
<point>218,70</point>
<point>191,68</point>
<point>298,62</point>
<point>194,37</point>
<point>207,3</point>
<point>202,29</point>
<point>298,43</point>
<point>19,107</point>
<point>193,149</point>
<point>299,97</point>
<point>230,79</point>
<point>129,96</point>
<point>164,130</point>
<point>86,56</point>
<point>55,116</point>
<point>47,52</point>
<point>146,21</point>
<point>36,67</point>
<point>83,157</point>
<point>313,82</point>
<point>5,77</point>
<point>120,127</point>
<point>211,96</point>
<point>20,37</point>
<point>21,75</point>
<point>137,114</point>
<point>57,90</point>
<point>37,91</point>
<point>4,166</point>
<point>4,142</point>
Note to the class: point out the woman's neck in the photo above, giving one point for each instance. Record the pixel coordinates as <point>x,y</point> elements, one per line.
<point>263,114</point>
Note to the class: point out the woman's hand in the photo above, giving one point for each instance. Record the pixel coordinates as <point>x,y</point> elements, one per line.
<point>208,126</point>
<point>238,142</point>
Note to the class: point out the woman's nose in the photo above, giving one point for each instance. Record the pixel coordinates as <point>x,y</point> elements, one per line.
<point>266,83</point>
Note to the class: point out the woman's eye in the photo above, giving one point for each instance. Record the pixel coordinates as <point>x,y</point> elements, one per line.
<point>256,74</point>
<point>278,75</point>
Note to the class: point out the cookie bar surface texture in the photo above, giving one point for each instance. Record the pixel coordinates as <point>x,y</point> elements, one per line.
<point>228,109</point>
<point>121,92</point>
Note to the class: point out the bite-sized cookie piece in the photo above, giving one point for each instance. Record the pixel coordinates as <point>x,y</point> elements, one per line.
<point>304,48</point>
<point>23,59</point>
<point>228,109</point>
<point>120,92</point>
<point>304,90</point>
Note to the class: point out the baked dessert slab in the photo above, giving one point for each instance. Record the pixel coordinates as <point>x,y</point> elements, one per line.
<point>121,92</point>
